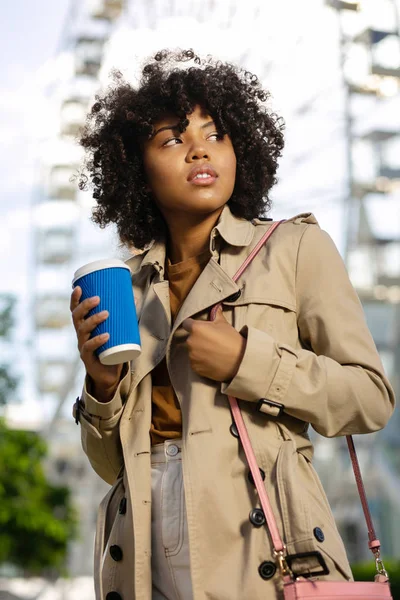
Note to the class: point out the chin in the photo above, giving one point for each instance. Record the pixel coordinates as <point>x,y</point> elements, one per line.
<point>210,207</point>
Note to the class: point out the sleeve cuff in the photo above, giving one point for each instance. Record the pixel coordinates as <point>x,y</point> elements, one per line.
<point>257,368</point>
<point>107,410</point>
<point>265,372</point>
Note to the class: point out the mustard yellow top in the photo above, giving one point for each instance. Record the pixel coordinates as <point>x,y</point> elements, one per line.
<point>166,420</point>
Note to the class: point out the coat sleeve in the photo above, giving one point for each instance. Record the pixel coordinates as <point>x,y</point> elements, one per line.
<point>100,428</point>
<point>336,381</point>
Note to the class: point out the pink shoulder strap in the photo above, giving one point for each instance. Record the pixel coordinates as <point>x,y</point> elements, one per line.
<point>279,546</point>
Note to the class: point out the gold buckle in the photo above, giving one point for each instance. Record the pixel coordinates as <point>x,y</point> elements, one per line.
<point>284,567</point>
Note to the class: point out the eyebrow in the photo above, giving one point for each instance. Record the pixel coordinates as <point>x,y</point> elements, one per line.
<point>175,127</point>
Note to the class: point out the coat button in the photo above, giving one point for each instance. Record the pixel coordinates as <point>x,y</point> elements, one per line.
<point>233,297</point>
<point>116,553</point>
<point>319,534</point>
<point>113,596</point>
<point>250,476</point>
<point>267,569</point>
<point>257,517</point>
<point>172,450</point>
<point>233,430</point>
<point>122,506</point>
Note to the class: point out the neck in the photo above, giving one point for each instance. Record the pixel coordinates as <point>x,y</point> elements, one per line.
<point>188,237</point>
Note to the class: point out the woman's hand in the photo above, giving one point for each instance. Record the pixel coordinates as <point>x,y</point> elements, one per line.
<point>104,378</point>
<point>215,348</point>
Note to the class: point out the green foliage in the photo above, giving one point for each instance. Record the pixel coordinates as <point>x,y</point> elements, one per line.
<point>366,572</point>
<point>7,322</point>
<point>8,383</point>
<point>36,518</point>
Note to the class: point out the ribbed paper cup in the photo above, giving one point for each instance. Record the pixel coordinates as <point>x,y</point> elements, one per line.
<point>110,279</point>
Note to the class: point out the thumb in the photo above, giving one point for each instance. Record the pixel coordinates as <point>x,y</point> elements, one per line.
<point>187,324</point>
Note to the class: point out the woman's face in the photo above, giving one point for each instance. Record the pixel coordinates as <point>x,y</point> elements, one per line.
<point>191,172</point>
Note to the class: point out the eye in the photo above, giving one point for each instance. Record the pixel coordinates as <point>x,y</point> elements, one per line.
<point>170,141</point>
<point>217,136</point>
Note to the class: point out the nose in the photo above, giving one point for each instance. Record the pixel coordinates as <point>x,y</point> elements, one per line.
<point>197,151</point>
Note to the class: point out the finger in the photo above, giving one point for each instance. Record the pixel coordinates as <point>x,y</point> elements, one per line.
<point>86,326</point>
<point>76,294</point>
<point>90,346</point>
<point>80,311</point>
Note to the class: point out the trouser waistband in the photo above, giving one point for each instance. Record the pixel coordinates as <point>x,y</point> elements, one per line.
<point>167,451</point>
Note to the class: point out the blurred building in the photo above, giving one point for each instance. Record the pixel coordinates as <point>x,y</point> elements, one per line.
<point>362,73</point>
<point>370,61</point>
<point>63,240</point>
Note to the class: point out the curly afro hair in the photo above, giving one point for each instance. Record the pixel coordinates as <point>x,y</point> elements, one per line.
<point>123,117</point>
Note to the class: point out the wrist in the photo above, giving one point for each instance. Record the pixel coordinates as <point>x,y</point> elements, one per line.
<point>242,349</point>
<point>100,392</point>
<point>104,396</point>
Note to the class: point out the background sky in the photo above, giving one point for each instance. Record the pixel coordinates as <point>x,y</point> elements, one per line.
<point>29,41</point>
<point>299,40</point>
<point>30,61</point>
<point>30,32</point>
<point>29,38</point>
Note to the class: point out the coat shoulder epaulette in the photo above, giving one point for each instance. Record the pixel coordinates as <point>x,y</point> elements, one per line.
<point>261,220</point>
<point>306,217</point>
<point>135,261</point>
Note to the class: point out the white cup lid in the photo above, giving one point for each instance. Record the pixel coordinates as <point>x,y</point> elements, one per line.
<point>117,355</point>
<point>97,265</point>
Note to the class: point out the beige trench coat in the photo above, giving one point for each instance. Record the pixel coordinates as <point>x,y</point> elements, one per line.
<point>308,348</point>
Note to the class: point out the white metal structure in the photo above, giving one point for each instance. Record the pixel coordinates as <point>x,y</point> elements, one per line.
<point>101,33</point>
<point>370,53</point>
<point>63,241</point>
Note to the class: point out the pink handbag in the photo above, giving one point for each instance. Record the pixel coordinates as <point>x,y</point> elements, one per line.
<point>303,587</point>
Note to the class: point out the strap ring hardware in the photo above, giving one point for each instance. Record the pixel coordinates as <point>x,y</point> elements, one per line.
<point>283,565</point>
<point>380,567</point>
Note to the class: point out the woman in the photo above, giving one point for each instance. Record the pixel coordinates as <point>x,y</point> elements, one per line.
<point>183,166</point>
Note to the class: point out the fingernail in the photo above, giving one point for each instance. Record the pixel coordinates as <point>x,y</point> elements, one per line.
<point>104,336</point>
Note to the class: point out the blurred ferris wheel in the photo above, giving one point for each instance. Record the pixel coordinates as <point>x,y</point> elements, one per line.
<point>360,67</point>
<point>334,70</point>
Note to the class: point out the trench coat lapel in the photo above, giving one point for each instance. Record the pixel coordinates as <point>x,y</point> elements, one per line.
<point>154,330</point>
<point>214,285</point>
<point>215,282</point>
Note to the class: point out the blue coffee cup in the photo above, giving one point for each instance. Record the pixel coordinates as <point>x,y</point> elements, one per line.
<point>110,279</point>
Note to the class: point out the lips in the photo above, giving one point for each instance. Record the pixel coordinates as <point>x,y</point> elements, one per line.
<point>200,170</point>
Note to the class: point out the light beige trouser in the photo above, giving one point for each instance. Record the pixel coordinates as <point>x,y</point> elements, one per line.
<point>170,546</point>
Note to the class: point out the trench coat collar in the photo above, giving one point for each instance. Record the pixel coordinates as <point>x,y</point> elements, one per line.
<point>234,230</point>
